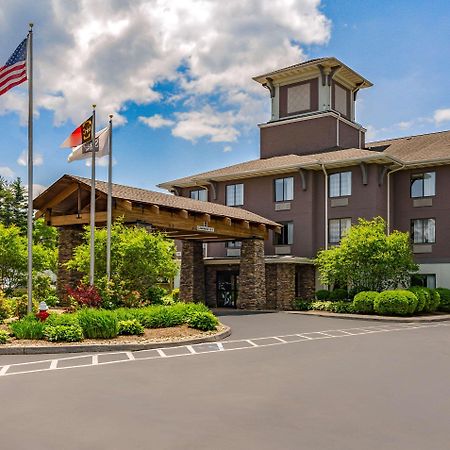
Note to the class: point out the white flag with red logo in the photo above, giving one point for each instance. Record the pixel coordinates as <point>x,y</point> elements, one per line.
<point>84,151</point>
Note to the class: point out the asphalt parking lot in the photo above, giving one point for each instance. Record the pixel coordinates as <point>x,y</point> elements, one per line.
<point>311,383</point>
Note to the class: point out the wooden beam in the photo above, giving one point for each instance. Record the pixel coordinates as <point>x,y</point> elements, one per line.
<point>206,217</point>
<point>262,227</point>
<point>57,199</point>
<point>75,219</point>
<point>154,209</point>
<point>125,204</point>
<point>183,213</point>
<point>246,224</point>
<point>227,221</point>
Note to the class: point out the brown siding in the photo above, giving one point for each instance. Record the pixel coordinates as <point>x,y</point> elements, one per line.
<point>348,97</point>
<point>306,137</point>
<point>404,211</point>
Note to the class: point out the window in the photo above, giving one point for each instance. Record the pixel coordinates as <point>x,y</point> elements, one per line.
<point>423,231</point>
<point>235,195</point>
<point>337,228</point>
<point>287,234</point>
<point>340,99</point>
<point>233,244</point>
<point>340,184</point>
<point>424,280</point>
<point>299,98</point>
<point>423,184</point>
<point>284,189</point>
<point>200,194</point>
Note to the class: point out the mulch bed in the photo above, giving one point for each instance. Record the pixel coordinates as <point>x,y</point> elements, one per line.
<point>151,336</point>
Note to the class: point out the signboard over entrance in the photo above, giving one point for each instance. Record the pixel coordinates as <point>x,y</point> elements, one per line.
<point>205,229</point>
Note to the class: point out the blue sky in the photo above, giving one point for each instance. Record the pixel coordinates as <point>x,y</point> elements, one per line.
<point>177,75</point>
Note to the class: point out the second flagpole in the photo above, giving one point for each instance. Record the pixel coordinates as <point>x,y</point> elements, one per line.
<point>109,206</point>
<point>92,240</point>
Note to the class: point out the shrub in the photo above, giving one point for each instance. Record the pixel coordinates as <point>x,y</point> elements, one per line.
<point>321,306</point>
<point>5,308</point>
<point>62,319</point>
<point>98,324</point>
<point>176,294</point>
<point>422,295</point>
<point>4,336</point>
<point>43,288</point>
<point>342,307</point>
<point>302,305</point>
<point>322,294</point>
<point>363,301</point>
<point>433,303</point>
<point>155,295</point>
<point>130,327</point>
<point>85,295</point>
<point>445,299</point>
<point>338,294</point>
<point>52,300</point>
<point>162,316</point>
<point>205,321</point>
<point>28,328</point>
<point>19,306</point>
<point>63,333</point>
<point>395,303</point>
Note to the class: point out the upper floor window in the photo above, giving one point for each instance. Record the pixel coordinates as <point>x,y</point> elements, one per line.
<point>235,195</point>
<point>284,189</point>
<point>340,184</point>
<point>423,231</point>
<point>423,184</point>
<point>287,234</point>
<point>199,194</point>
<point>233,244</point>
<point>337,229</point>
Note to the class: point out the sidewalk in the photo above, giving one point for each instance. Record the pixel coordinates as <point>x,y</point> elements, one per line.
<point>413,319</point>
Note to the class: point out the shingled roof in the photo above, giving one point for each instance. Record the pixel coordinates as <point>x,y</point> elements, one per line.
<point>433,148</point>
<point>155,198</point>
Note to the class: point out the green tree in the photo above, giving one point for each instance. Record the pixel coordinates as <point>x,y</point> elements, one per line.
<point>368,259</point>
<point>13,203</point>
<point>14,257</point>
<point>139,259</point>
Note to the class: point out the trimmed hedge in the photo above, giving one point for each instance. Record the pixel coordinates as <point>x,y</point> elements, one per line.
<point>322,294</point>
<point>395,303</point>
<point>445,299</point>
<point>422,295</point>
<point>434,300</point>
<point>363,301</point>
<point>338,294</point>
<point>63,333</point>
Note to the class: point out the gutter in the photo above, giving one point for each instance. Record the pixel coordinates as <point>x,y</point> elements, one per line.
<point>324,170</point>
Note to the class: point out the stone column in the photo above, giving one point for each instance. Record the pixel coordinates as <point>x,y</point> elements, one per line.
<point>69,239</point>
<point>252,275</point>
<point>192,276</point>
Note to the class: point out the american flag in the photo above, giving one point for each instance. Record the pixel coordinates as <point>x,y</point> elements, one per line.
<point>14,71</point>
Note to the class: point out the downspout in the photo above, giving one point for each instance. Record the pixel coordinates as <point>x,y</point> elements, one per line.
<point>337,128</point>
<point>388,212</point>
<point>326,204</point>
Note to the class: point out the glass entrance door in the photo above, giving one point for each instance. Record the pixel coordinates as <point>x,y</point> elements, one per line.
<point>227,289</point>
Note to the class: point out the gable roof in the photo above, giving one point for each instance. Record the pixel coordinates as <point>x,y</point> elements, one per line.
<point>152,198</point>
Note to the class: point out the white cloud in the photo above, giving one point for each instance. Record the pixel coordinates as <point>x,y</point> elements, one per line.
<point>22,160</point>
<point>101,162</point>
<point>121,50</point>
<point>156,121</point>
<point>207,123</point>
<point>6,172</point>
<point>442,115</point>
<point>227,149</point>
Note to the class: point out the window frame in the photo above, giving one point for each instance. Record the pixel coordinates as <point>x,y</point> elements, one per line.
<point>425,277</point>
<point>233,244</point>
<point>340,219</point>
<point>283,179</point>
<point>340,184</point>
<point>198,191</point>
<point>421,176</point>
<point>234,194</point>
<point>412,231</point>
<point>277,236</point>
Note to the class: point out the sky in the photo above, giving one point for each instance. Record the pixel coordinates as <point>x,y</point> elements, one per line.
<point>177,76</point>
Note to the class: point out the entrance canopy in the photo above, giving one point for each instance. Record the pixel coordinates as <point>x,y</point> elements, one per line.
<point>67,203</point>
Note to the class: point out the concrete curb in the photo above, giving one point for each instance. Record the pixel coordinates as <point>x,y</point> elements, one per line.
<point>48,349</point>
<point>424,319</point>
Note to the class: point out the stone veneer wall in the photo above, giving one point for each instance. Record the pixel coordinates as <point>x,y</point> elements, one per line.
<point>280,285</point>
<point>69,238</point>
<point>306,279</point>
<point>252,275</point>
<point>192,275</point>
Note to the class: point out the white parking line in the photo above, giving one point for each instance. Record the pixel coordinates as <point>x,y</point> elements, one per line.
<point>217,347</point>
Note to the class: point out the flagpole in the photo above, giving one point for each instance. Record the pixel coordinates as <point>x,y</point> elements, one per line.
<point>92,241</point>
<point>109,206</point>
<point>30,171</point>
